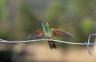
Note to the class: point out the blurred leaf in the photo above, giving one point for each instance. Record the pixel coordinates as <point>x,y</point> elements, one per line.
<point>87,25</point>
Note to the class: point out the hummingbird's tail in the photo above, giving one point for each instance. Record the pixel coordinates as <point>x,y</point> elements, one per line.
<point>52,44</point>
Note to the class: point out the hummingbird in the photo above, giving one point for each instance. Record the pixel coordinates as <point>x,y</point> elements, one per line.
<point>48,33</point>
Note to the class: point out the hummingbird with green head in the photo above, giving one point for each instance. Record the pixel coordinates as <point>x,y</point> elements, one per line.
<point>48,33</point>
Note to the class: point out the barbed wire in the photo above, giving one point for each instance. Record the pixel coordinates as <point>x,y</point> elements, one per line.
<point>14,42</point>
<point>73,43</point>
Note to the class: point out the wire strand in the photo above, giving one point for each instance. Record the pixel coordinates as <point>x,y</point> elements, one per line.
<point>87,44</point>
<point>5,41</point>
<point>74,43</point>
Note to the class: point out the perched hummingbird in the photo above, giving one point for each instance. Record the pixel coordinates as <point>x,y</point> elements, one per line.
<point>48,33</point>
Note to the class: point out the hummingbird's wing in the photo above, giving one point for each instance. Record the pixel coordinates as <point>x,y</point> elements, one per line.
<point>58,32</point>
<point>36,35</point>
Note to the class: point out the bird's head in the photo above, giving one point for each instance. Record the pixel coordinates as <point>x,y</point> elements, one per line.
<point>45,26</point>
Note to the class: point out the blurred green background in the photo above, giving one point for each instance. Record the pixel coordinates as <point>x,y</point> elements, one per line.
<point>19,18</point>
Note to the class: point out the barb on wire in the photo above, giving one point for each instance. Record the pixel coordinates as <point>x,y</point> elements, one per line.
<point>88,44</point>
